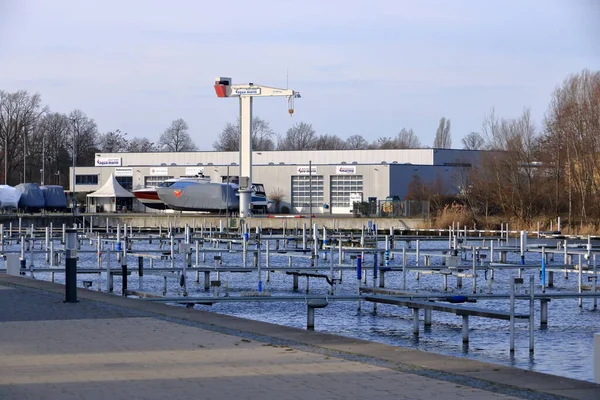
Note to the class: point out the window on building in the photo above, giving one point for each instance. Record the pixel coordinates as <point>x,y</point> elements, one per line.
<point>342,186</point>
<point>86,179</point>
<point>153,181</point>
<point>301,190</point>
<point>125,181</point>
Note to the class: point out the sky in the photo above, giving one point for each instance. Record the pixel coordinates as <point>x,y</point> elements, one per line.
<point>363,67</point>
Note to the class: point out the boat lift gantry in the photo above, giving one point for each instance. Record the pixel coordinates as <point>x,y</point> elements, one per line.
<point>246,92</point>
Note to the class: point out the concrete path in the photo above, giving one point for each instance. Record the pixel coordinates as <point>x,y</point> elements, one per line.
<point>109,347</point>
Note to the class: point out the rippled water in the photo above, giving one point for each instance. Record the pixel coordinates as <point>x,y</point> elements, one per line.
<point>564,348</point>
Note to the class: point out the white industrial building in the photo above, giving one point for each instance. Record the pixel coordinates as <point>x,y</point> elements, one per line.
<point>336,177</point>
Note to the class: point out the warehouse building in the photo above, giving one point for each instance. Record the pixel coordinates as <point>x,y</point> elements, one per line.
<point>332,179</point>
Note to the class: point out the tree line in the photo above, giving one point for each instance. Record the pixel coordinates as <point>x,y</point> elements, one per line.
<point>302,136</point>
<point>536,170</point>
<point>33,137</point>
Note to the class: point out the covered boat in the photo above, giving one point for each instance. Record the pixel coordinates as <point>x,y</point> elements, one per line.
<point>32,197</point>
<point>9,197</point>
<point>54,197</point>
<point>193,196</point>
<point>149,197</point>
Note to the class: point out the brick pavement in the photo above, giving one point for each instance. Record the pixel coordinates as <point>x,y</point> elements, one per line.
<point>96,350</point>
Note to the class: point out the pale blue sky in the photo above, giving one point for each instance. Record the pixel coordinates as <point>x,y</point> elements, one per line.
<point>363,67</point>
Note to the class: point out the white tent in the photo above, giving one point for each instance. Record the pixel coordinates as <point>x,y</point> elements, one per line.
<point>105,198</point>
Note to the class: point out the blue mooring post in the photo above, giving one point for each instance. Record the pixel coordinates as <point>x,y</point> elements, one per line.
<point>374,266</point>
<point>359,268</point>
<point>71,266</point>
<point>543,268</point>
<point>387,258</point>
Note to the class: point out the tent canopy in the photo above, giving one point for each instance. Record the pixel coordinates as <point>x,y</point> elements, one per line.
<point>111,188</point>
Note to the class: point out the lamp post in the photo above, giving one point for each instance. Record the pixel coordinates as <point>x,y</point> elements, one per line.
<point>73,203</point>
<point>24,155</point>
<point>227,206</point>
<point>43,170</point>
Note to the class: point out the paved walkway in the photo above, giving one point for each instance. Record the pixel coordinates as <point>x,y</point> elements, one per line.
<point>108,347</point>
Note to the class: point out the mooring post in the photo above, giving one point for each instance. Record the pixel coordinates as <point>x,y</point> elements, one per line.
<point>543,272</point>
<point>140,272</point>
<point>473,249</point>
<point>427,317</point>
<point>304,236</point>
<point>404,267</point>
<point>124,268</point>
<point>22,260</point>
<point>415,321</point>
<point>531,311</point>
<point>295,282</point>
<point>206,280</point>
<point>544,312</point>
<point>512,316</point>
<point>594,282</point>
<point>580,281</point>
<point>311,305</point>
<point>46,243</point>
<point>71,266</point>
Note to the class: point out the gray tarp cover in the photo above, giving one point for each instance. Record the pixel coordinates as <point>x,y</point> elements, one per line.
<point>31,195</point>
<point>54,196</point>
<point>199,197</point>
<point>9,197</point>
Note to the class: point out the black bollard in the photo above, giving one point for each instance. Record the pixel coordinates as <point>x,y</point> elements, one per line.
<point>124,270</point>
<point>71,266</point>
<point>140,266</point>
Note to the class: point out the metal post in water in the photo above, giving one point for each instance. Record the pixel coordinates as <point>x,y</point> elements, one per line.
<point>46,243</point>
<point>580,281</point>
<point>71,266</point>
<point>512,316</point>
<point>124,268</point>
<point>531,311</point>
<point>474,252</point>
<point>404,268</point>
<point>543,270</point>
<point>303,236</point>
<point>594,282</point>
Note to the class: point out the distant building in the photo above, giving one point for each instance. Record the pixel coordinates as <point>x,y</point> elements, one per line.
<point>337,176</point>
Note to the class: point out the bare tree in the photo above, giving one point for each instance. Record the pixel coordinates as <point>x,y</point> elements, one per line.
<point>573,143</point>
<point>301,136</point>
<point>19,113</point>
<point>54,130</point>
<point>85,132</point>
<point>407,139</point>
<point>329,142</point>
<point>141,145</point>
<point>442,136</point>
<point>262,136</point>
<point>113,142</point>
<point>176,138</point>
<point>473,141</point>
<point>356,142</point>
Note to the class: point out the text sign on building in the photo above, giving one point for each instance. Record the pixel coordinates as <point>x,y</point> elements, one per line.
<point>305,170</point>
<point>345,170</point>
<point>123,171</point>
<point>159,171</point>
<point>189,171</point>
<point>108,162</point>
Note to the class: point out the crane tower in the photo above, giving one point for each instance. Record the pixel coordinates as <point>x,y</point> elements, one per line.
<point>246,92</point>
